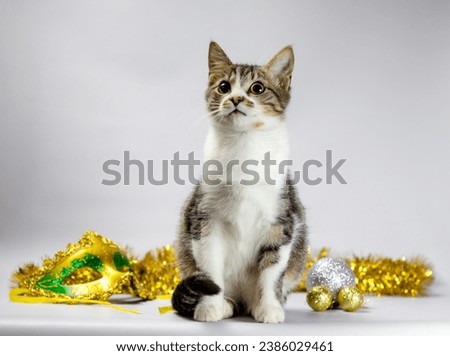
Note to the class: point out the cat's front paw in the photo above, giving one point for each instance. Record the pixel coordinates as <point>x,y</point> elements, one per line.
<point>269,313</point>
<point>210,309</point>
<point>227,309</point>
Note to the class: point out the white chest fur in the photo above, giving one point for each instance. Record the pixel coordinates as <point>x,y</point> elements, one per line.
<point>246,201</point>
<point>244,213</point>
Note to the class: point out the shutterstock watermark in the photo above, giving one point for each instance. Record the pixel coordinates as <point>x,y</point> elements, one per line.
<point>213,172</point>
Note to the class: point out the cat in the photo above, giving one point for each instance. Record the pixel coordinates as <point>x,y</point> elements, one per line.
<point>241,248</point>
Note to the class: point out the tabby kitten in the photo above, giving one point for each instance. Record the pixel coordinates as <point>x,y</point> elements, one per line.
<point>241,248</point>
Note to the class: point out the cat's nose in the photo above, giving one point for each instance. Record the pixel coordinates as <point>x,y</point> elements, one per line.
<point>236,100</point>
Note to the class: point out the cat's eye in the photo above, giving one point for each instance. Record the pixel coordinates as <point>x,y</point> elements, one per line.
<point>224,87</point>
<point>257,88</point>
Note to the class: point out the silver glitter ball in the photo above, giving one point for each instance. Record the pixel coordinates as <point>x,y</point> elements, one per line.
<point>333,273</point>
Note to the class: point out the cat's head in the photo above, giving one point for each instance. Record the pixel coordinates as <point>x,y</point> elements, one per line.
<point>248,97</point>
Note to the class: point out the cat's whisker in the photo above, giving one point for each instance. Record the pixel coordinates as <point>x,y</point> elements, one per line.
<point>202,118</point>
<point>188,113</point>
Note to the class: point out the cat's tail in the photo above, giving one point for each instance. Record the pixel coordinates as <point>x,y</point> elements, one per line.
<point>189,292</point>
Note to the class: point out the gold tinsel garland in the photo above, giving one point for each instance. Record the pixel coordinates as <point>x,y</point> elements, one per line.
<point>382,275</point>
<point>95,268</point>
<point>156,275</point>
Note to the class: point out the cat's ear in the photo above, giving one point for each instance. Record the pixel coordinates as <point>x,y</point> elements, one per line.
<point>217,57</point>
<point>280,67</point>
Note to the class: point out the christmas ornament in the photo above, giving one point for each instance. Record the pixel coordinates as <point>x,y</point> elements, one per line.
<point>319,298</point>
<point>332,273</point>
<point>350,298</point>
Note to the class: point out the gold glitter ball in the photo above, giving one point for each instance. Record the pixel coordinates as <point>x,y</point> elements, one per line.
<point>350,298</point>
<point>319,298</point>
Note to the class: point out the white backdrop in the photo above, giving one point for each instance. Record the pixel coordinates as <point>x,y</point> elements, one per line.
<point>83,81</point>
